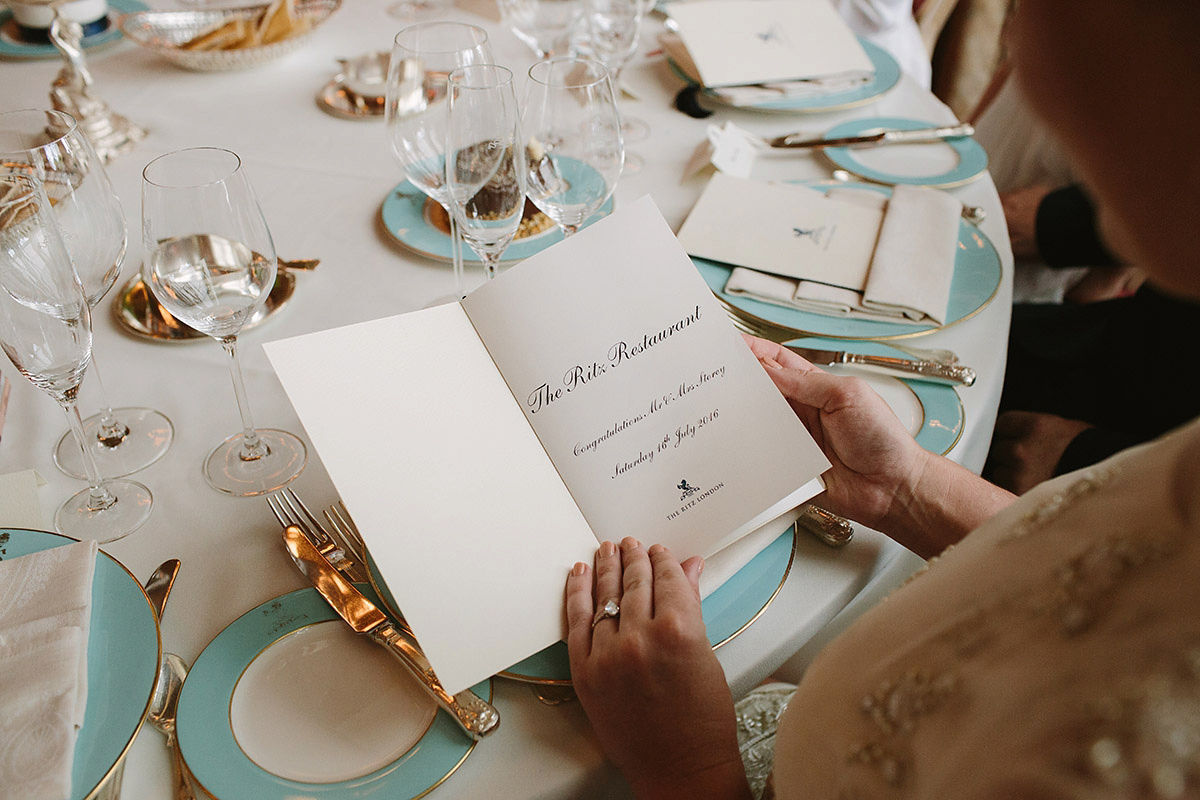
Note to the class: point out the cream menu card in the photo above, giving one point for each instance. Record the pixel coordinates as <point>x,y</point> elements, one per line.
<point>594,391</point>
<point>736,42</point>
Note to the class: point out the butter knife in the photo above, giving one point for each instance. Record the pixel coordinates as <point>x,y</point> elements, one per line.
<point>475,715</point>
<point>793,140</point>
<point>919,369</point>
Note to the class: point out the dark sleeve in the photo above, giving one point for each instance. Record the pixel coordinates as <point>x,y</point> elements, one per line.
<point>1066,233</point>
<point>1093,446</point>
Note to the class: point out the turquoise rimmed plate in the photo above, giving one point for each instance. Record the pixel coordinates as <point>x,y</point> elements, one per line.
<point>404,219</point>
<point>977,273</point>
<point>728,610</point>
<point>12,47</point>
<point>932,412</point>
<point>970,158</point>
<point>887,75</point>
<point>124,650</point>
<point>208,706</point>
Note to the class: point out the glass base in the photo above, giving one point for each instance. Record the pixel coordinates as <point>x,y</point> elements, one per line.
<point>634,129</point>
<point>413,9</point>
<point>126,515</point>
<point>150,436</point>
<point>633,164</point>
<point>227,472</point>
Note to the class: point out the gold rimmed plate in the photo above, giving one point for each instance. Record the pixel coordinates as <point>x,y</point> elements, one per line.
<point>357,724</point>
<point>138,313</point>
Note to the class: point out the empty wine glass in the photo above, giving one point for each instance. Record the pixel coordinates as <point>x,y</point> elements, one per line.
<point>415,109</point>
<point>613,29</point>
<point>50,143</point>
<point>45,329</point>
<point>211,263</point>
<point>545,25</point>
<point>485,160</point>
<point>573,139</point>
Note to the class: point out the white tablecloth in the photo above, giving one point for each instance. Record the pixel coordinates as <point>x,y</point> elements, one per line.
<point>321,180</point>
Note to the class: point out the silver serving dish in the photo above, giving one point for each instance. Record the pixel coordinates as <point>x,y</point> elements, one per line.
<point>164,32</point>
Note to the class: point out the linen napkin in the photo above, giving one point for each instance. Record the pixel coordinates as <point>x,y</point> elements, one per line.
<point>911,269</point>
<point>45,616</point>
<point>19,506</point>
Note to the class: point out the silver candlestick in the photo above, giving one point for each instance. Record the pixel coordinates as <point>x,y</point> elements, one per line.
<point>110,133</point>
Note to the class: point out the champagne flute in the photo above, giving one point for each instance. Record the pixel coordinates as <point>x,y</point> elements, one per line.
<point>613,31</point>
<point>547,26</point>
<point>485,160</point>
<point>573,139</point>
<point>211,263</point>
<point>45,329</point>
<point>415,110</point>
<point>51,145</point>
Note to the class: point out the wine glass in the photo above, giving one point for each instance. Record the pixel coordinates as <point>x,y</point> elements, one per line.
<point>485,160</point>
<point>613,31</point>
<point>545,25</point>
<point>573,139</point>
<point>415,109</point>
<point>211,263</point>
<point>45,328</point>
<point>51,145</point>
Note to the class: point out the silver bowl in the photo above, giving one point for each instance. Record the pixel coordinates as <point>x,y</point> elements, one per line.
<point>163,32</point>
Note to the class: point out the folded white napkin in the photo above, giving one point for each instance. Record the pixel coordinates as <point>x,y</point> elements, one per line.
<point>911,268</point>
<point>725,563</point>
<point>45,616</point>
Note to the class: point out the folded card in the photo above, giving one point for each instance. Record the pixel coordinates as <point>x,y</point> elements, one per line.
<point>734,42</point>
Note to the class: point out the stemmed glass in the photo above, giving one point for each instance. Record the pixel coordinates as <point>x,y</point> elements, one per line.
<point>211,263</point>
<point>423,56</point>
<point>613,30</point>
<point>51,145</point>
<point>485,160</point>
<point>545,25</point>
<point>573,139</point>
<point>45,328</point>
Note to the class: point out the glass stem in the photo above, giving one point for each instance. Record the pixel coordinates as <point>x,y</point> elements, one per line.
<point>99,497</point>
<point>489,265</point>
<point>253,448</point>
<point>111,431</point>
<point>456,251</point>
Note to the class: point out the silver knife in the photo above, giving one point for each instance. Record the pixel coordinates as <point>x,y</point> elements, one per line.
<point>919,369</point>
<point>5,388</point>
<point>792,140</point>
<point>474,714</point>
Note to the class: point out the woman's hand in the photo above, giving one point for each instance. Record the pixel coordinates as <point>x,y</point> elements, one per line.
<point>648,679</point>
<point>875,460</point>
<point>880,476</point>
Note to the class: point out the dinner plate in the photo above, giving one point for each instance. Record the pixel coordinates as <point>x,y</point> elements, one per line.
<point>124,650</point>
<point>288,702</point>
<point>887,75</point>
<point>404,219</point>
<point>943,164</point>
<point>977,275</point>
<point>13,47</point>
<point>932,412</point>
<point>728,610</point>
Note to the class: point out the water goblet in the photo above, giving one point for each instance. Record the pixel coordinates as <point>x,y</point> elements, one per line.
<point>547,26</point>
<point>573,139</point>
<point>45,329</point>
<point>211,263</point>
<point>423,56</point>
<point>485,160</point>
<point>51,146</point>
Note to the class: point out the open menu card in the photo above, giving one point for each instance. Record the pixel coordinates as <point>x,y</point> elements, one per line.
<point>783,229</point>
<point>734,42</point>
<point>592,392</point>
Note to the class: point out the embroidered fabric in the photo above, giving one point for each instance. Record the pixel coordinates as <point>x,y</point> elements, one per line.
<point>758,718</point>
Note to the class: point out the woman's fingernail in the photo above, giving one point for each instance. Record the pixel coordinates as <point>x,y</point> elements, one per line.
<point>608,549</point>
<point>630,543</point>
<point>772,363</point>
<point>579,570</point>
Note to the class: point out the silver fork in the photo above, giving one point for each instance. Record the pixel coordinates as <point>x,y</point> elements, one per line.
<point>774,333</point>
<point>289,509</point>
<point>342,526</point>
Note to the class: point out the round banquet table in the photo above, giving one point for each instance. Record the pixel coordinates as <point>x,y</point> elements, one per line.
<point>320,181</point>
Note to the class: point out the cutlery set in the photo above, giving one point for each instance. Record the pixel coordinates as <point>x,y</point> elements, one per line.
<point>869,138</point>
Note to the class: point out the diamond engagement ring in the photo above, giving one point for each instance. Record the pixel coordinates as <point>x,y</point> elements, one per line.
<point>611,609</point>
